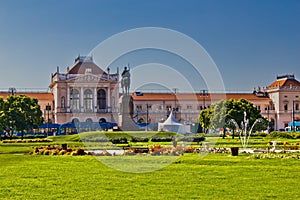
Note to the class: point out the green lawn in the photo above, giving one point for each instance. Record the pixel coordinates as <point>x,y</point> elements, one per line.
<point>216,176</point>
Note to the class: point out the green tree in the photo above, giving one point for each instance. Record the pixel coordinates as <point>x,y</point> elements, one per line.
<point>223,111</point>
<point>20,113</point>
<point>2,124</point>
<point>204,119</point>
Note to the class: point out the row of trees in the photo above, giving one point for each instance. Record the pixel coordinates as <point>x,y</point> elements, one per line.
<point>19,113</point>
<point>220,114</point>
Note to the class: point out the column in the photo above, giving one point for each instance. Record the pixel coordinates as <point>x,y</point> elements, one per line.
<point>68,98</point>
<point>81,100</point>
<point>108,99</point>
<point>95,99</point>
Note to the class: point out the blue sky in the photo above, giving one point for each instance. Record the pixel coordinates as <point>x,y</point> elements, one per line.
<point>251,41</point>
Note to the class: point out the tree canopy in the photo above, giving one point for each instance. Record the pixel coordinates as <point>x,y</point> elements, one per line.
<point>220,114</point>
<point>19,113</point>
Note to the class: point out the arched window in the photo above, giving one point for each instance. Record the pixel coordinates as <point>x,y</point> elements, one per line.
<point>88,100</point>
<point>74,100</point>
<point>101,99</point>
<point>75,121</point>
<point>63,102</point>
<point>102,120</point>
<point>89,120</point>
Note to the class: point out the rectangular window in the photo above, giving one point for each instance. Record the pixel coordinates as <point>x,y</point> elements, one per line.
<point>189,107</point>
<point>139,107</point>
<point>168,107</point>
<point>149,107</point>
<point>286,107</point>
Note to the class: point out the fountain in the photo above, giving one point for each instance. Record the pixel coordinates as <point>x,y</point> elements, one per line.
<point>243,131</point>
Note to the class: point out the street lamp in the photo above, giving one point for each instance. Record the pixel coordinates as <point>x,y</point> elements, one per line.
<point>293,113</point>
<point>174,109</point>
<point>204,93</point>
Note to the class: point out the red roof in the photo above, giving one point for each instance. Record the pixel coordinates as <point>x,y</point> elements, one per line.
<point>284,83</point>
<point>80,67</point>
<point>38,95</point>
<point>198,97</point>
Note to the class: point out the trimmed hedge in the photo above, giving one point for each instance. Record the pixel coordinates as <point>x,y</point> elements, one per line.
<point>276,134</point>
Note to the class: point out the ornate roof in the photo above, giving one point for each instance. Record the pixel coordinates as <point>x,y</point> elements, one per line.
<point>83,65</point>
<point>285,82</point>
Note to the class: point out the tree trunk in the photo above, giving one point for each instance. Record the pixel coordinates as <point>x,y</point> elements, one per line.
<point>224,131</point>
<point>233,133</point>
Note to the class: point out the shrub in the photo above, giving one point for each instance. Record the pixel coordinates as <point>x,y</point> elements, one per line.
<point>260,134</point>
<point>276,134</point>
<point>47,152</point>
<point>136,139</point>
<point>62,152</point>
<point>161,139</point>
<point>120,140</point>
<point>80,152</point>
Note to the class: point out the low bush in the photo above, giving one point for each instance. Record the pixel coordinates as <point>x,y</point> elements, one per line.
<point>192,139</point>
<point>260,134</point>
<point>27,141</point>
<point>277,134</point>
<point>138,139</point>
<point>120,140</point>
<point>161,139</point>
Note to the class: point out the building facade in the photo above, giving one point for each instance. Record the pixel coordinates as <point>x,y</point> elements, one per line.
<point>279,103</point>
<point>84,93</point>
<point>284,95</point>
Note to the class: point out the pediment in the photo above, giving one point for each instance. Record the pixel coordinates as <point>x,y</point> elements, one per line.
<point>89,78</point>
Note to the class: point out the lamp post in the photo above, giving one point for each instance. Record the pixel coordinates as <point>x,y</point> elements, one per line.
<point>293,114</point>
<point>204,93</point>
<point>174,109</point>
<point>48,108</point>
<point>147,116</point>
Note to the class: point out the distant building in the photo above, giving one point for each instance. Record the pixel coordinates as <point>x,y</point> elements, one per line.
<point>284,96</point>
<point>45,101</point>
<point>279,102</point>
<point>84,93</point>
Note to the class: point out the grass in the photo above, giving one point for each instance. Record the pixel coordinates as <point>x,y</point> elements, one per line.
<point>215,176</point>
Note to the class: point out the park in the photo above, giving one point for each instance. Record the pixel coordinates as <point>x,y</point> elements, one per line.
<point>191,175</point>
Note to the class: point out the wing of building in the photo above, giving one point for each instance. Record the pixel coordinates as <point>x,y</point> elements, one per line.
<point>84,93</point>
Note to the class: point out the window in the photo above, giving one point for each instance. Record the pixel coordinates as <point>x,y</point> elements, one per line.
<point>168,107</point>
<point>189,107</point>
<point>285,107</point>
<point>75,121</point>
<point>258,107</point>
<point>89,120</point>
<point>149,107</point>
<point>101,99</point>
<point>102,120</point>
<point>74,100</point>
<point>297,106</point>
<point>62,102</point>
<point>159,107</point>
<point>199,107</point>
<point>88,100</point>
<point>139,107</point>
